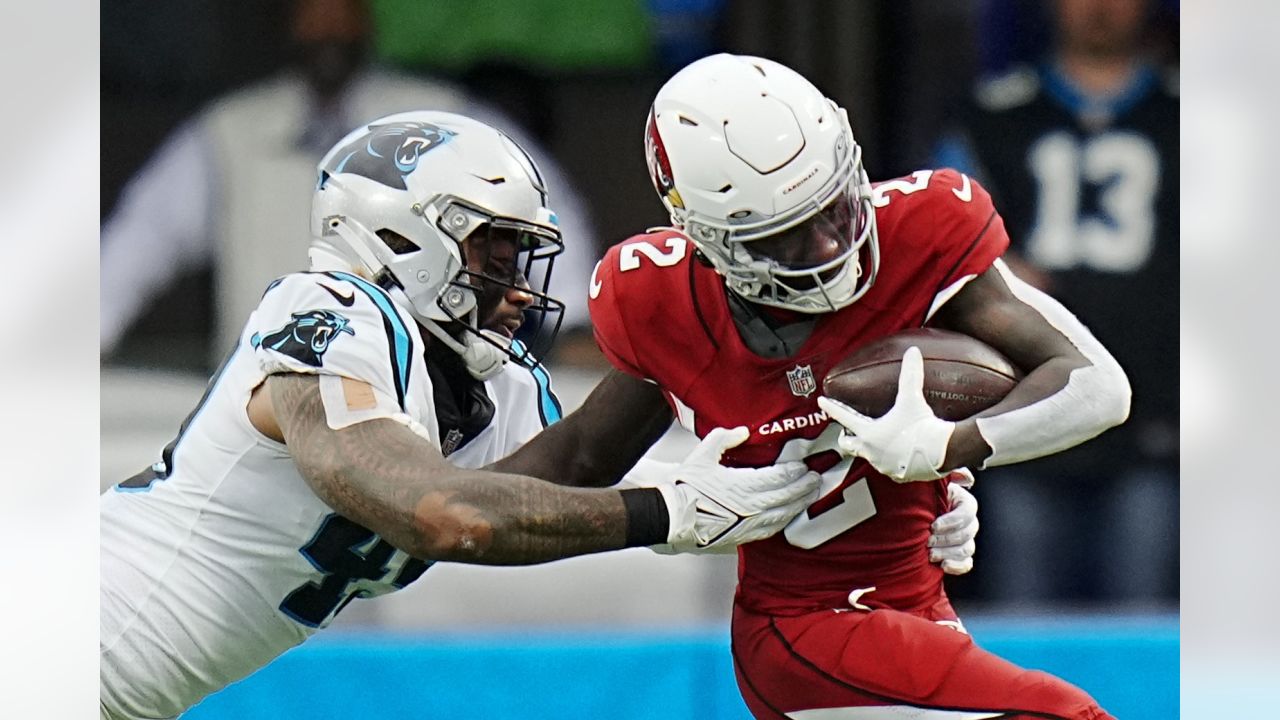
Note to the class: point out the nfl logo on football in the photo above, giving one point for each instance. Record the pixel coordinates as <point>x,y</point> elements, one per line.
<point>801,381</point>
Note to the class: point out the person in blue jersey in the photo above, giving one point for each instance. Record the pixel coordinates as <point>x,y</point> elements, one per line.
<point>1080,151</point>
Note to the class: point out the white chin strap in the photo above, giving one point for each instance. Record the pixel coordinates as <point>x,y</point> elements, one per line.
<point>483,358</point>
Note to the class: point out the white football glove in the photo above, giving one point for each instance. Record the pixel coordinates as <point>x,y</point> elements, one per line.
<point>951,538</point>
<point>909,442</point>
<point>715,508</point>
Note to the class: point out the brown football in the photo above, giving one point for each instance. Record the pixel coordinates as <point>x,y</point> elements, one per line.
<point>962,375</point>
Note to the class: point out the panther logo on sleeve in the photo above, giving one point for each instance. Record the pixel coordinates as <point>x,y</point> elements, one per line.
<point>307,336</point>
<point>388,153</point>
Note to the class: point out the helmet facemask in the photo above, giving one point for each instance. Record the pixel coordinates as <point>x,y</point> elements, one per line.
<point>787,261</point>
<point>420,202</point>
<point>494,256</point>
<point>502,255</point>
<point>742,149</point>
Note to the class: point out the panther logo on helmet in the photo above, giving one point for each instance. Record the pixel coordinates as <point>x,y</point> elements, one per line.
<point>659,165</point>
<point>388,153</point>
<point>307,336</point>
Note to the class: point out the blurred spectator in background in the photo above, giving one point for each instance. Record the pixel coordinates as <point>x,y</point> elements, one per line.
<point>1081,153</point>
<point>231,186</point>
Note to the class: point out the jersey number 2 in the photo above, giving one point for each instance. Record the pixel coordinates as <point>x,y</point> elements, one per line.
<point>628,254</point>
<point>856,505</point>
<point>629,259</point>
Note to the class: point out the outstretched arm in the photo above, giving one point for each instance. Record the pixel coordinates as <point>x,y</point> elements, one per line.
<point>384,475</point>
<point>602,439</point>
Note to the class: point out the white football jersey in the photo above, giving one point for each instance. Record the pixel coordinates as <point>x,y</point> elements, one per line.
<point>219,557</point>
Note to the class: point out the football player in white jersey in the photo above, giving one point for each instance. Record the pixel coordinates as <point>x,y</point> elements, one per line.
<point>314,471</point>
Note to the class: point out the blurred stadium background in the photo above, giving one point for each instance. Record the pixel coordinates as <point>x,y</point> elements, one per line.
<point>631,634</point>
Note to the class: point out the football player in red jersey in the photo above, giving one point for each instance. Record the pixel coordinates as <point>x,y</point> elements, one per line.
<point>783,259</point>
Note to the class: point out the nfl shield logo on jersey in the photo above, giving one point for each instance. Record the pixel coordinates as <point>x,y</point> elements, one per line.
<point>801,381</point>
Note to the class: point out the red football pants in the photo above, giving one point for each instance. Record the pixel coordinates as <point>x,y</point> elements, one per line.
<point>904,664</point>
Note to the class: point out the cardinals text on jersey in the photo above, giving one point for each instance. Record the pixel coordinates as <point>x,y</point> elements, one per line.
<point>662,315</point>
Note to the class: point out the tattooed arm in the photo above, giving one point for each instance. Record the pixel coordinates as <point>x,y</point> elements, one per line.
<point>383,475</point>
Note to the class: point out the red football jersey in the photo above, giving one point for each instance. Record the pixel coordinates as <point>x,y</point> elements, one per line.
<point>662,315</point>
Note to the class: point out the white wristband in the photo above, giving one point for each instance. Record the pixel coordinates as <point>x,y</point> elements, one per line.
<point>1094,399</point>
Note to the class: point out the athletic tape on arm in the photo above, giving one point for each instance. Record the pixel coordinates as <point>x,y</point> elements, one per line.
<point>342,411</point>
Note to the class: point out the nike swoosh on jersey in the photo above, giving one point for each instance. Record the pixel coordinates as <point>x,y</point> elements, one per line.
<point>596,285</point>
<point>346,300</point>
<point>965,192</point>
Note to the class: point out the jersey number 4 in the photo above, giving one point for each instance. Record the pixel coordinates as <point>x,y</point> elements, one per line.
<point>346,552</point>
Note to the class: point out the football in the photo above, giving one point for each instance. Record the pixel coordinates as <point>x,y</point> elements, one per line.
<point>962,375</point>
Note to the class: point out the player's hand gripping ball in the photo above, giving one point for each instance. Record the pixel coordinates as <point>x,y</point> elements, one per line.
<point>962,375</point>
<point>899,409</point>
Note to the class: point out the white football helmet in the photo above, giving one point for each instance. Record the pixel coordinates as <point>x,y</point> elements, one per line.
<point>753,163</point>
<point>434,178</point>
